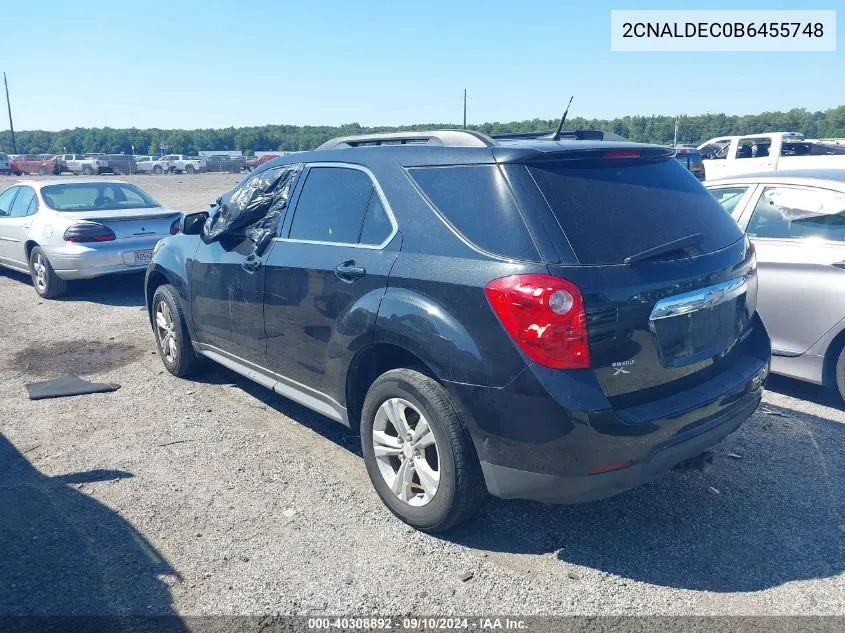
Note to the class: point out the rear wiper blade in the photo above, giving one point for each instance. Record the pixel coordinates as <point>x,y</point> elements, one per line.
<point>675,245</point>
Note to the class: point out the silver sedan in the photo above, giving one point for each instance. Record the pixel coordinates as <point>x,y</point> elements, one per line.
<point>57,230</point>
<point>796,221</point>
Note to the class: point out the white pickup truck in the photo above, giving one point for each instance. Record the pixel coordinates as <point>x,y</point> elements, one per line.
<point>728,156</point>
<point>177,163</point>
<point>87,165</point>
<point>151,165</point>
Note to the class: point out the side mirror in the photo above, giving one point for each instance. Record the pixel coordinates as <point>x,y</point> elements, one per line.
<point>192,223</point>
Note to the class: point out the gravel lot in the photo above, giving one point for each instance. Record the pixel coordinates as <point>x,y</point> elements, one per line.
<point>219,497</point>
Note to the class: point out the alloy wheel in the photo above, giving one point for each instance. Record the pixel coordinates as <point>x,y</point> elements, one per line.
<point>406,452</point>
<point>166,332</point>
<point>40,268</point>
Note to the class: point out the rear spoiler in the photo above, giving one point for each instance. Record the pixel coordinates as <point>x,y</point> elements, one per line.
<point>574,135</point>
<point>613,151</point>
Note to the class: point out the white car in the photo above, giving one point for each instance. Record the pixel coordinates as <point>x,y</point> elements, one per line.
<point>58,230</point>
<point>729,156</point>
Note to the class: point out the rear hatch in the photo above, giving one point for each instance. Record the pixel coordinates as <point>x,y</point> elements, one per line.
<point>667,278</point>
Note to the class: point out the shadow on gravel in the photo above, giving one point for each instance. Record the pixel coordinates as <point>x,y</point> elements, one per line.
<point>770,515</point>
<point>114,290</point>
<point>63,553</point>
<point>329,429</point>
<point>803,391</point>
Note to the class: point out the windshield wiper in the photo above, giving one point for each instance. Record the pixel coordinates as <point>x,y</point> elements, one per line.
<point>675,245</point>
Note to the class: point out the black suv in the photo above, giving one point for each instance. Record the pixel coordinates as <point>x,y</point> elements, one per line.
<point>548,319</point>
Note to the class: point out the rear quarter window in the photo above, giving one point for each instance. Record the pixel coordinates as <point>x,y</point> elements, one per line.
<point>610,210</point>
<point>477,202</point>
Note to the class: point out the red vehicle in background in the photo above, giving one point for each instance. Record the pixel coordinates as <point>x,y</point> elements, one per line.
<point>265,158</point>
<point>42,164</point>
<point>14,168</point>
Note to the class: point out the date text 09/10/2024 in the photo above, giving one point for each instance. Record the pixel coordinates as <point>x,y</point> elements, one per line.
<point>417,624</point>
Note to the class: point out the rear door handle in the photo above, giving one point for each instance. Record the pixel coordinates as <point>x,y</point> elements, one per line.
<point>349,272</point>
<point>251,264</point>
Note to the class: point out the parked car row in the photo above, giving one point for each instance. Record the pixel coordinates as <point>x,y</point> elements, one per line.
<point>536,318</point>
<point>99,163</point>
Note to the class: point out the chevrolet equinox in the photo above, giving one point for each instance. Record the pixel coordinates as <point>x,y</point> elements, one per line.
<point>558,317</point>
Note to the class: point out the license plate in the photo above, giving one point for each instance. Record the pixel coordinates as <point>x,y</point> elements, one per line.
<point>143,257</point>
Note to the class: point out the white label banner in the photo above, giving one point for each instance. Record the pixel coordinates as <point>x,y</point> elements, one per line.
<point>717,30</point>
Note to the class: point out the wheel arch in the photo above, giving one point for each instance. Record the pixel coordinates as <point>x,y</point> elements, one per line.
<point>370,363</point>
<point>155,279</point>
<point>831,355</point>
<point>28,246</point>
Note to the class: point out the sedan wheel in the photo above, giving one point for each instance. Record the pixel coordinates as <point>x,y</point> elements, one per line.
<point>406,452</point>
<point>47,283</point>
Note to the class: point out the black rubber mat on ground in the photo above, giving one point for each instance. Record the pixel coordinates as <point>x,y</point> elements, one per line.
<point>66,386</point>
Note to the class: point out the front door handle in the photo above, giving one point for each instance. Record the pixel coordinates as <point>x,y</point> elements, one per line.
<point>349,272</point>
<point>251,264</point>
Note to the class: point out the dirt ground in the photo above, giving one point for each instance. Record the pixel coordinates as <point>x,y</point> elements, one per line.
<point>216,496</point>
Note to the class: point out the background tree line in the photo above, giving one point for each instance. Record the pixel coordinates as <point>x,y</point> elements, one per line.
<point>650,129</point>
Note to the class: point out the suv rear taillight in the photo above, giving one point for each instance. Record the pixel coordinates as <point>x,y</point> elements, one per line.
<point>89,232</point>
<point>545,316</point>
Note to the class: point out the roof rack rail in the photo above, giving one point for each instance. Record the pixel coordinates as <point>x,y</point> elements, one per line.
<point>549,135</point>
<point>450,138</point>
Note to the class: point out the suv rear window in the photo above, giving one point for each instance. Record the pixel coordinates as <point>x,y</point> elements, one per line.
<point>611,210</point>
<point>478,203</point>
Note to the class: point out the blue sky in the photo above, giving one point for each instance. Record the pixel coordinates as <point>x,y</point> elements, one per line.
<point>214,64</point>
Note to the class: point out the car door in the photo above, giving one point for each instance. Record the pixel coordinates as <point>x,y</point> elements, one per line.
<point>328,273</point>
<point>6,199</point>
<point>227,279</point>
<point>799,235</point>
<point>16,226</point>
<point>752,154</point>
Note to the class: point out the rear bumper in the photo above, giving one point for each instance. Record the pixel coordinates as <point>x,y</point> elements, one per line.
<point>80,261</point>
<point>511,483</point>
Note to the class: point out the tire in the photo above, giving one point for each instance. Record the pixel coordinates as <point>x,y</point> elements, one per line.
<point>840,374</point>
<point>45,280</point>
<point>157,170</point>
<point>42,171</point>
<point>173,341</point>
<point>189,169</point>
<point>459,488</point>
<point>87,171</point>
<point>116,171</point>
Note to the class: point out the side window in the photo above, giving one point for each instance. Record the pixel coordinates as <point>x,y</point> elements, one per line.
<point>753,148</point>
<point>729,197</point>
<point>477,202</point>
<point>331,206</point>
<point>377,226</point>
<point>6,199</point>
<point>20,207</point>
<point>715,151</point>
<point>791,213</point>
